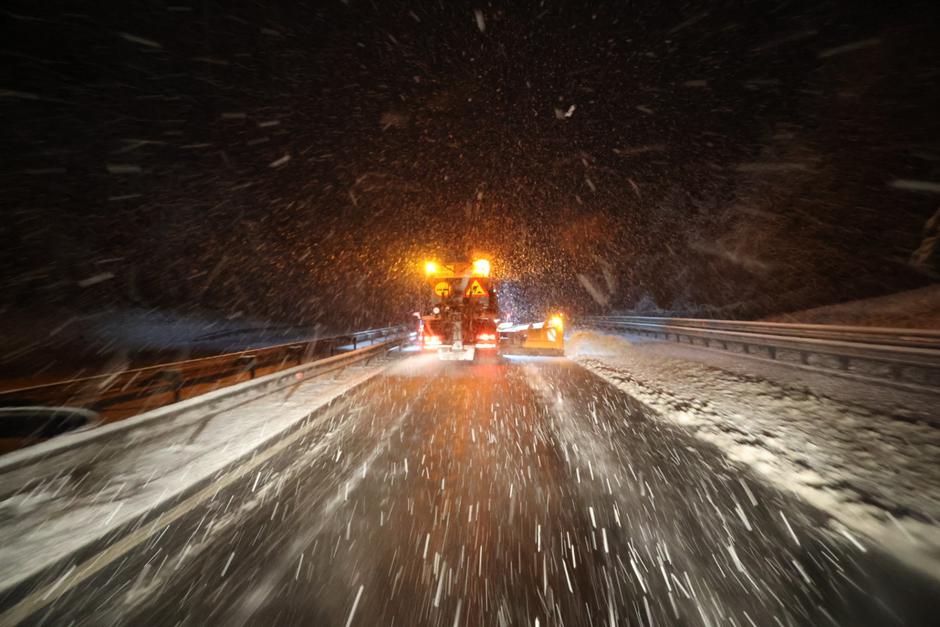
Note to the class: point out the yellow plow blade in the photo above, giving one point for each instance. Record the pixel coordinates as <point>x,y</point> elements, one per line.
<point>542,338</point>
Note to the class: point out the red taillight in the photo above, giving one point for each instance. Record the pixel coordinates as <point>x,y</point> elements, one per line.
<point>430,341</point>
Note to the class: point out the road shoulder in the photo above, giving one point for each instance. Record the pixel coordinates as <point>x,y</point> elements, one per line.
<point>868,461</point>
<point>44,525</point>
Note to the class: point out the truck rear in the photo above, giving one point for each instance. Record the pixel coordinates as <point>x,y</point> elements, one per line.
<point>461,319</point>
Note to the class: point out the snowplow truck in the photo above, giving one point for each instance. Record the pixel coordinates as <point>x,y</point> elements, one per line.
<point>462,320</point>
<point>463,312</point>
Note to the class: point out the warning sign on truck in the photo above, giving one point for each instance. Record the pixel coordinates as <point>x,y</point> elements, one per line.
<point>476,289</point>
<point>442,289</point>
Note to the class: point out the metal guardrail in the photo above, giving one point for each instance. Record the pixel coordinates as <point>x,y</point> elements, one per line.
<point>157,421</point>
<point>909,357</point>
<point>117,395</point>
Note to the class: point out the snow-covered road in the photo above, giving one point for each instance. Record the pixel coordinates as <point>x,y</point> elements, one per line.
<point>530,492</point>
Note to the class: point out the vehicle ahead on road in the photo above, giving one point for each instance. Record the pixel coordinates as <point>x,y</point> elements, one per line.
<point>462,312</point>
<point>462,320</point>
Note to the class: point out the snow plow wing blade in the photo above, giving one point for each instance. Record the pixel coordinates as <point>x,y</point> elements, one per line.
<point>541,338</point>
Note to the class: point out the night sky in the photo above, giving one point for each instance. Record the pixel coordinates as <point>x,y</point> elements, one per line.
<point>297,162</point>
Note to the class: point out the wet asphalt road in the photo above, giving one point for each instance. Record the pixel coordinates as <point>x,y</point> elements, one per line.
<point>523,493</point>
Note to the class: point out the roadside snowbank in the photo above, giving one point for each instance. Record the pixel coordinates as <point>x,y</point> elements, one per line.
<point>859,462</point>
